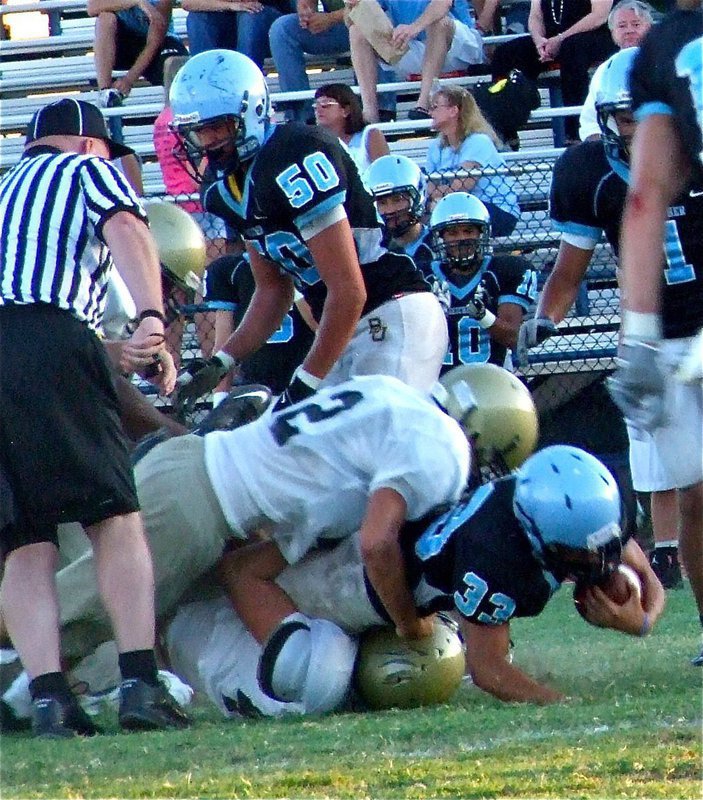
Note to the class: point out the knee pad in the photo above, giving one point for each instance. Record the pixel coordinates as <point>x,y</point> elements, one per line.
<point>308,661</point>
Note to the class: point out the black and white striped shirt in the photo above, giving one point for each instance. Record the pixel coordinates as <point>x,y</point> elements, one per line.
<point>52,209</point>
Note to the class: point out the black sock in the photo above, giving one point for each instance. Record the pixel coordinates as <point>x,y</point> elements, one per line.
<point>700,617</point>
<point>50,684</point>
<point>139,664</point>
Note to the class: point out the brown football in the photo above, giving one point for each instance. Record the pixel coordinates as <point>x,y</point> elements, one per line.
<point>618,586</point>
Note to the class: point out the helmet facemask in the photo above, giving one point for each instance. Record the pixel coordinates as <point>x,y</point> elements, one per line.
<point>223,151</point>
<point>398,222</point>
<point>463,255</point>
<point>617,145</point>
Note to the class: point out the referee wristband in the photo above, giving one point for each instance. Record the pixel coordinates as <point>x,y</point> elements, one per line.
<point>487,319</point>
<point>646,625</point>
<point>152,312</point>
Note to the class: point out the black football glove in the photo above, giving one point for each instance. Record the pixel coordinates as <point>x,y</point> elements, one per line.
<point>200,377</point>
<point>296,391</point>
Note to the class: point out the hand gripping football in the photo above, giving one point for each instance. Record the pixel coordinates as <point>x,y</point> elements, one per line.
<point>618,586</point>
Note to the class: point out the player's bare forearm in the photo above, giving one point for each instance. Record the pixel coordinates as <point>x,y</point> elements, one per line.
<point>335,256</point>
<point>487,649</point>
<point>248,575</point>
<point>561,287</point>
<point>383,560</point>
<point>658,174</point>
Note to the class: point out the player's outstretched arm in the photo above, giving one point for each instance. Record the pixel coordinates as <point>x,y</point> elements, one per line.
<point>487,649</point>
<point>561,287</point>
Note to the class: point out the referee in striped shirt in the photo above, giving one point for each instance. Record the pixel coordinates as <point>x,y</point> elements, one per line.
<point>66,214</point>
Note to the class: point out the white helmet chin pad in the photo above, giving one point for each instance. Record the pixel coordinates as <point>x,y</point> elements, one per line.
<point>308,661</point>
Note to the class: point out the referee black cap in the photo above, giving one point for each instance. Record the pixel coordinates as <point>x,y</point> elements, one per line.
<point>71,117</point>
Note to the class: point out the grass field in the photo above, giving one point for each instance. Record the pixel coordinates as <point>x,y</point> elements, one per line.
<point>632,729</point>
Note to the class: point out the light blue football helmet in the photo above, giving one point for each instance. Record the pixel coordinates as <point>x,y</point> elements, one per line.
<point>568,503</point>
<point>389,175</point>
<point>461,208</point>
<point>221,86</point>
<point>614,95</point>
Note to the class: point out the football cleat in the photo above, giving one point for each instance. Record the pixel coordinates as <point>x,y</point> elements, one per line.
<point>665,563</point>
<point>55,719</point>
<point>144,707</point>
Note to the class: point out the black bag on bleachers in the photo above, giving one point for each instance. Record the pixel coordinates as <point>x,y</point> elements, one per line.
<point>507,104</point>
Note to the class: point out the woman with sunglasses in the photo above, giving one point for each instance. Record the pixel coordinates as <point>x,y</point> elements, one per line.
<point>338,110</point>
<point>466,141</point>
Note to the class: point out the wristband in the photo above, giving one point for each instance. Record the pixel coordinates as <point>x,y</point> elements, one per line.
<point>152,312</point>
<point>228,361</point>
<point>636,325</point>
<point>307,378</point>
<point>218,397</point>
<point>487,319</point>
<point>646,625</point>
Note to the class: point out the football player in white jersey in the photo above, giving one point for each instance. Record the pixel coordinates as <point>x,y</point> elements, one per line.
<point>368,454</point>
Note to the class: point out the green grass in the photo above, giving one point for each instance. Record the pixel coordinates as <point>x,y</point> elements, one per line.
<point>632,729</point>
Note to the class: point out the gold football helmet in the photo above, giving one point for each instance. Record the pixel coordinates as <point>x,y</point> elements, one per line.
<point>391,674</point>
<point>496,412</point>
<point>181,244</point>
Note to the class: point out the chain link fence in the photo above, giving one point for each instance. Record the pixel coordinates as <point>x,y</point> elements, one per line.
<point>559,371</point>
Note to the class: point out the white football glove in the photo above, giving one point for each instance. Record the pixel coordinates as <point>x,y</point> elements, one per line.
<point>637,386</point>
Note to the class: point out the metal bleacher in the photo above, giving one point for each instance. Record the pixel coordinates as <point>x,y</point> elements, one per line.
<point>34,71</point>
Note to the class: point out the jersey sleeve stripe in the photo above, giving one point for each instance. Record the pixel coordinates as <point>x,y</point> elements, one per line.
<point>653,107</point>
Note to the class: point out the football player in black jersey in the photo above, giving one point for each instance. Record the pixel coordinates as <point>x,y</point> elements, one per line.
<point>296,197</point>
<point>666,84</point>
<point>485,297</point>
<point>230,286</point>
<point>588,197</point>
<point>499,554</point>
<point>399,188</point>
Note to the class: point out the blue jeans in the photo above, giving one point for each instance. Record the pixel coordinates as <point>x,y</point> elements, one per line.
<point>289,44</point>
<point>232,30</point>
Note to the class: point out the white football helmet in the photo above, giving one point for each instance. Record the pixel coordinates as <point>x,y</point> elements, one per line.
<point>307,661</point>
<point>391,674</point>
<point>461,208</point>
<point>391,175</point>
<point>221,86</point>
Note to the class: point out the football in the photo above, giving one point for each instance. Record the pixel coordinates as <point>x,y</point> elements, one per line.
<point>618,586</point>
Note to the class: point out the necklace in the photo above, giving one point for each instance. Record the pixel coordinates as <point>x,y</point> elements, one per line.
<point>552,6</point>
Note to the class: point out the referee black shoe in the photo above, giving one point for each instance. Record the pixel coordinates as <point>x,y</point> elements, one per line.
<point>149,708</point>
<point>56,719</point>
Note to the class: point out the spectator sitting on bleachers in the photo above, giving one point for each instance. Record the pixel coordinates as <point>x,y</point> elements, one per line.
<point>308,31</point>
<point>133,35</point>
<point>467,141</point>
<point>338,110</point>
<point>241,25</point>
<point>571,32</point>
<point>440,37</point>
<point>629,22</point>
